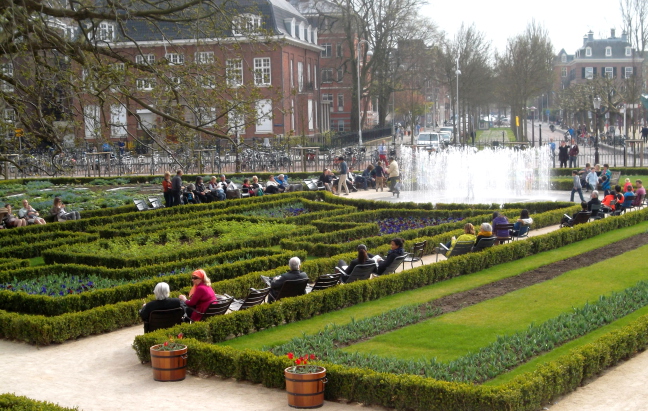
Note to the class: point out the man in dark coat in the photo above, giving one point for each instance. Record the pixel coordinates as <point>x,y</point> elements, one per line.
<point>176,188</point>
<point>294,274</point>
<point>563,154</point>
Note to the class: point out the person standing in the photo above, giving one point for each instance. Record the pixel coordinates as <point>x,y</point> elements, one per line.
<point>176,188</point>
<point>166,187</point>
<point>563,154</point>
<point>394,174</point>
<point>573,154</point>
<point>577,187</point>
<point>552,147</point>
<point>382,152</point>
<point>344,171</point>
<point>380,176</point>
<point>644,133</point>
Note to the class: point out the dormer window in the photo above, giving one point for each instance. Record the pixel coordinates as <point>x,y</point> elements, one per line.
<point>106,32</point>
<point>563,58</point>
<point>588,52</point>
<point>628,51</point>
<point>302,31</point>
<point>608,52</point>
<point>246,23</point>
<point>290,26</point>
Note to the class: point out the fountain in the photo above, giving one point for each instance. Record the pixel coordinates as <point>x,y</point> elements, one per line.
<point>468,175</point>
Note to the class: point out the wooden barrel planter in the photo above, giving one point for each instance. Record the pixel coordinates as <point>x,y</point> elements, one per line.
<point>169,365</point>
<point>305,390</point>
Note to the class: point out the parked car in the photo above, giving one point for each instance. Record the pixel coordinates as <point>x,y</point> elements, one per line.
<point>428,140</point>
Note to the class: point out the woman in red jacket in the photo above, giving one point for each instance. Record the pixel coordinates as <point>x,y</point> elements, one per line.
<point>201,295</point>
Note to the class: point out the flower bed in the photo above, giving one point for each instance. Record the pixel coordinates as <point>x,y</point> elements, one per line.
<point>395,225</point>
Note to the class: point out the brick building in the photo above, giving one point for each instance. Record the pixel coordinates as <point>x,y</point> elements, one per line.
<point>268,59</point>
<point>613,57</point>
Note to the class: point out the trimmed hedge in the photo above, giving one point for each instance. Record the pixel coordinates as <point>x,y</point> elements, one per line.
<point>46,305</point>
<point>68,255</point>
<point>30,246</point>
<point>20,403</point>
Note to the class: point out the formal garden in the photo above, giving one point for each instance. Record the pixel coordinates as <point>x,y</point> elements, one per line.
<point>511,327</point>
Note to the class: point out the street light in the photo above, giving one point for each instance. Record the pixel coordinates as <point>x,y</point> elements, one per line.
<point>359,92</point>
<point>597,107</point>
<point>533,109</point>
<point>456,116</point>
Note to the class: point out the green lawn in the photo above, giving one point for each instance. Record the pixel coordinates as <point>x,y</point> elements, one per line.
<point>494,134</point>
<point>565,348</point>
<point>280,335</point>
<point>456,334</point>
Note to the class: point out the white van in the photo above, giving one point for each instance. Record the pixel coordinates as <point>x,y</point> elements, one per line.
<point>428,139</point>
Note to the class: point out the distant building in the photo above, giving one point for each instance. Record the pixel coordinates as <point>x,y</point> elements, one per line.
<point>613,57</point>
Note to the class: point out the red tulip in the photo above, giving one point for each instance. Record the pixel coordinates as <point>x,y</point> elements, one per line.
<point>180,336</point>
<point>166,343</point>
<point>291,355</point>
<point>312,356</point>
<point>298,361</point>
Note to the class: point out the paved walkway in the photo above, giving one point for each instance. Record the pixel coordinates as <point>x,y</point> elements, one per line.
<point>102,372</point>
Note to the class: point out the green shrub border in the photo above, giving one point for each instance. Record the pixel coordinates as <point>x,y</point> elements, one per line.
<point>15,402</point>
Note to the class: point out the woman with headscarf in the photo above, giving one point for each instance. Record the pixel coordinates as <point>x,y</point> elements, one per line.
<point>201,295</point>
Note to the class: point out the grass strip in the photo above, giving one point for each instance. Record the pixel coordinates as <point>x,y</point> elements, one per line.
<point>506,352</point>
<point>280,335</point>
<point>564,349</point>
<point>453,335</point>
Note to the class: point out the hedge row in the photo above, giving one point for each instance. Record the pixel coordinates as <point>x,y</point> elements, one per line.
<point>528,391</point>
<point>625,171</point>
<point>7,264</point>
<point>335,298</point>
<point>30,249</point>
<point>50,306</point>
<point>19,403</point>
<point>69,255</point>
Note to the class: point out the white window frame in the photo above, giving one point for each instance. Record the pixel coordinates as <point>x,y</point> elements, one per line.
<point>629,71</point>
<point>175,58</point>
<point>300,76</point>
<point>292,80</point>
<point>328,50</point>
<point>315,77</point>
<point>92,121</point>
<point>205,116</point>
<point>340,102</point>
<point>609,72</point>
<point>204,57</point>
<point>262,71</point>
<point>608,51</point>
<point>264,116</point>
<point>144,116</point>
<point>118,121</point>
<point>311,117</point>
<point>340,125</point>
<point>589,73</point>
<point>302,31</point>
<point>340,74</point>
<point>308,73</point>
<point>207,81</point>
<point>234,72</point>
<point>8,70</point>
<point>9,115</point>
<point>244,23</point>
<point>563,58</point>
<point>628,51</point>
<point>145,84</point>
<point>588,52</point>
<point>327,78</point>
<point>327,97</point>
<point>106,32</point>
<point>563,72</point>
<point>145,59</point>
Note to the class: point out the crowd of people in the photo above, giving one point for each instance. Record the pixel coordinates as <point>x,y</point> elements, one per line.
<point>176,192</point>
<point>27,215</point>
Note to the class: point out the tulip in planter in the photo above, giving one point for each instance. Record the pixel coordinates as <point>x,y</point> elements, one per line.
<point>169,360</point>
<point>305,382</point>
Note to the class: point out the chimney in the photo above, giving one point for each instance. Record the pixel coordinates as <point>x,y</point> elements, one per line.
<point>584,40</point>
<point>590,35</point>
<point>612,32</point>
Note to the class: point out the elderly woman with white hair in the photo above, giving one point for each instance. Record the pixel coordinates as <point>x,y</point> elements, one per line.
<point>293,274</point>
<point>485,231</point>
<point>161,302</point>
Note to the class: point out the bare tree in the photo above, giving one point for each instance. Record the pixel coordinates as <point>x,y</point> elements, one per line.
<point>525,69</point>
<point>635,23</point>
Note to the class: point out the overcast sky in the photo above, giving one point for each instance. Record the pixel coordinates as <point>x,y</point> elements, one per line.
<point>566,21</point>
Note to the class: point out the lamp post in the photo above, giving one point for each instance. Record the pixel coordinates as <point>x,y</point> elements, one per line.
<point>359,93</point>
<point>456,116</point>
<point>533,109</point>
<point>597,107</point>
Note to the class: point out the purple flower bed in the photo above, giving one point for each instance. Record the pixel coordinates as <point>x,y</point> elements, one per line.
<point>398,224</point>
<point>289,210</point>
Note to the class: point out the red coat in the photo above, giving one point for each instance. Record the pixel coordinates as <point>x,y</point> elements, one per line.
<point>200,300</point>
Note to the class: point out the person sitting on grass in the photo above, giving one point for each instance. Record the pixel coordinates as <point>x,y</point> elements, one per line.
<point>201,295</point>
<point>468,235</point>
<point>28,213</point>
<point>397,250</point>
<point>524,220</point>
<point>363,258</point>
<point>58,209</point>
<point>294,264</point>
<point>11,221</point>
<point>161,302</point>
<point>569,221</point>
